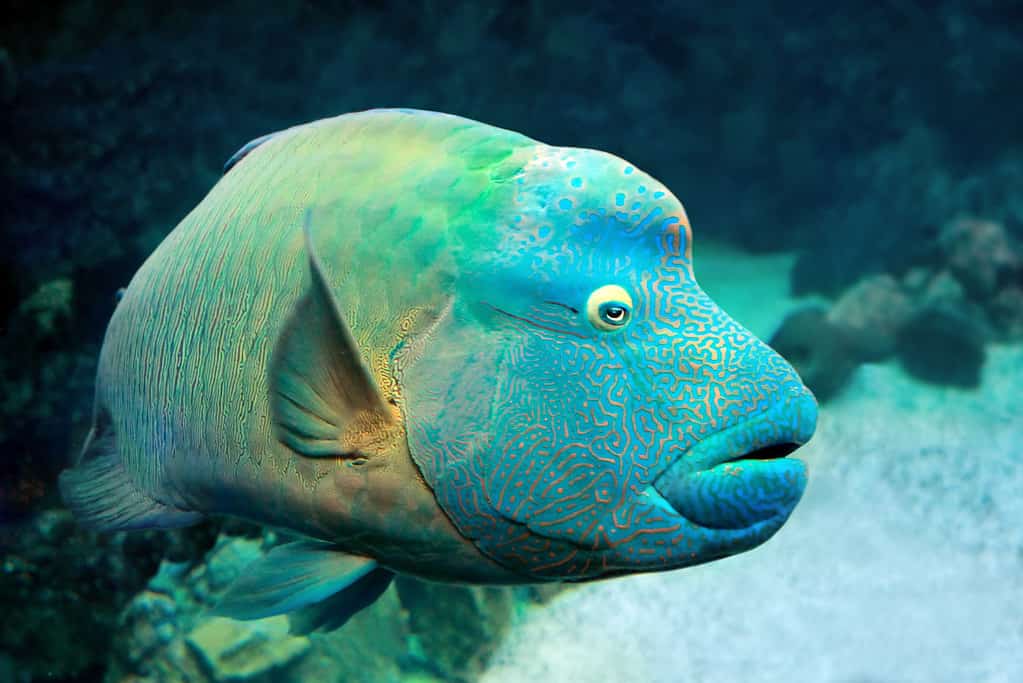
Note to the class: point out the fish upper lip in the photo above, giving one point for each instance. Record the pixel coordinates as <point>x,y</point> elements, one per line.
<point>712,450</point>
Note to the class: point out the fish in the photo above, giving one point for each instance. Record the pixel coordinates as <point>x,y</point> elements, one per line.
<point>421,344</point>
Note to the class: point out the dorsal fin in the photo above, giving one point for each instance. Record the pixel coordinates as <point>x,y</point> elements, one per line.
<point>248,147</point>
<point>325,401</point>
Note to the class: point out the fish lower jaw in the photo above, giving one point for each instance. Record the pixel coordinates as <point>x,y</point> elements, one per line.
<point>737,494</point>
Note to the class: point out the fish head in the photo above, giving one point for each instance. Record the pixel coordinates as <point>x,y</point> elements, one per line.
<point>585,409</point>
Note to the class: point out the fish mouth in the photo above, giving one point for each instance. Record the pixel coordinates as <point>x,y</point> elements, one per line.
<point>742,477</point>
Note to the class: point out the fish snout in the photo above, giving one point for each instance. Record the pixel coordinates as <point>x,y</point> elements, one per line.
<point>760,407</point>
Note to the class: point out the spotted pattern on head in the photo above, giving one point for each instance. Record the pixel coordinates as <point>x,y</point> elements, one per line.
<point>542,432</point>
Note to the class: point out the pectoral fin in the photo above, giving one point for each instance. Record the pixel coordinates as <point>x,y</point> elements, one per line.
<point>328,585</point>
<point>325,401</point>
<point>335,611</point>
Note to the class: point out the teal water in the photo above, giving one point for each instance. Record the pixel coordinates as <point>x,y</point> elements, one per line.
<point>903,562</point>
<point>845,140</point>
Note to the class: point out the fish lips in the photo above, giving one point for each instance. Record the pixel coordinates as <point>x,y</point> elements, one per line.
<point>736,495</point>
<point>741,476</point>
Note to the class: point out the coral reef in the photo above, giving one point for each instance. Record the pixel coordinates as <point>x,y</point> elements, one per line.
<point>417,628</point>
<point>942,345</point>
<point>980,255</point>
<point>936,319</point>
<point>132,605</point>
<point>63,589</point>
<point>873,310</point>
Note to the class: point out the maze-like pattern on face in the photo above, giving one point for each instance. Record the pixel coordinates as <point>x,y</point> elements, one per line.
<point>541,432</point>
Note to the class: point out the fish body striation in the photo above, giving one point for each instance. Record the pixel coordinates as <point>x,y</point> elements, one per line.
<point>432,346</point>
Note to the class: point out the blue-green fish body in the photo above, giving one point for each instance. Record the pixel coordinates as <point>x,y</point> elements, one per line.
<point>437,347</point>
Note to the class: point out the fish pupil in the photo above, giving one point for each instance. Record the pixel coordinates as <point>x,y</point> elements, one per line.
<point>614,314</point>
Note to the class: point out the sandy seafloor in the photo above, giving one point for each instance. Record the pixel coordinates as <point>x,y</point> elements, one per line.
<point>904,561</point>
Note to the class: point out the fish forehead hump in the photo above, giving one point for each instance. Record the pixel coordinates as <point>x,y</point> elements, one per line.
<point>583,214</point>
<point>378,159</point>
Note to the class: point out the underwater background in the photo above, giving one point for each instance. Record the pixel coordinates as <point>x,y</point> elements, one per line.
<point>854,175</point>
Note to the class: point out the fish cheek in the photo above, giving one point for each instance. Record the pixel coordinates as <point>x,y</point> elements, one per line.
<point>524,441</point>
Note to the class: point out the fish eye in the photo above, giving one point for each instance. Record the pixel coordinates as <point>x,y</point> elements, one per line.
<point>609,308</point>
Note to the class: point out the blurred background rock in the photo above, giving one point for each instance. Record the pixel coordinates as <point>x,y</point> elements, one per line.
<point>880,141</point>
